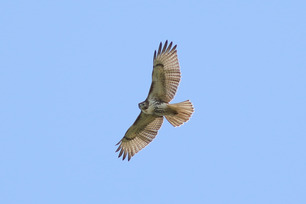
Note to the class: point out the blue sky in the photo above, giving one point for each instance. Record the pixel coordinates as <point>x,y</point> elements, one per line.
<point>73,72</point>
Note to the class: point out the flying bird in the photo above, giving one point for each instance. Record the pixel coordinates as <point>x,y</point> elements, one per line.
<point>166,76</point>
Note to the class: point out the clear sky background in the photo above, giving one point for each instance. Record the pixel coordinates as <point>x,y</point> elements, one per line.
<point>73,72</point>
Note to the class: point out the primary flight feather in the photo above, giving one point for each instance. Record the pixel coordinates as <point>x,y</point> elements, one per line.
<point>166,77</point>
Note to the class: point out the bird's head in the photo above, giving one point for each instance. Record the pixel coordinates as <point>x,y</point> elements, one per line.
<point>143,105</point>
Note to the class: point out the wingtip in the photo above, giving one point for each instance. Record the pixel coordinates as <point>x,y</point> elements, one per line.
<point>174,48</point>
<point>164,49</point>
<point>159,48</point>
<point>124,155</point>
<point>165,46</point>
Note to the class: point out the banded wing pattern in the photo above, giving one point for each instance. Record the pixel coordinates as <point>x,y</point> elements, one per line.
<point>166,73</point>
<point>139,135</point>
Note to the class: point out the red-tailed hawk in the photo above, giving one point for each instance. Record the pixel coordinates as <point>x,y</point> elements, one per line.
<point>166,76</point>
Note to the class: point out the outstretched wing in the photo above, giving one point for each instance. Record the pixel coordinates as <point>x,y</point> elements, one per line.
<point>139,135</point>
<point>166,73</point>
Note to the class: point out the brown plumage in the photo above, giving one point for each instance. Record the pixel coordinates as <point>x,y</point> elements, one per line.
<point>166,77</point>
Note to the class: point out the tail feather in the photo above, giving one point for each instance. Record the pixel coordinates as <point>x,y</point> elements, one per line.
<point>183,112</point>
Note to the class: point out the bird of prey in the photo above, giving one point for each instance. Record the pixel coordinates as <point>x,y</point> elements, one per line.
<point>166,76</point>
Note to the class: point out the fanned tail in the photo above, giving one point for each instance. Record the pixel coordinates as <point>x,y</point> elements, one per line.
<point>183,112</point>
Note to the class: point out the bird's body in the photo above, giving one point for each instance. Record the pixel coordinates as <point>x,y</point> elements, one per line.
<point>165,80</point>
<point>154,107</point>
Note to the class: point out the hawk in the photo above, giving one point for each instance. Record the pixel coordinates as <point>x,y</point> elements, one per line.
<point>166,76</point>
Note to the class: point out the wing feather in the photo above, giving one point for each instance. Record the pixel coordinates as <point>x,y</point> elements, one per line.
<point>166,73</point>
<point>139,135</point>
